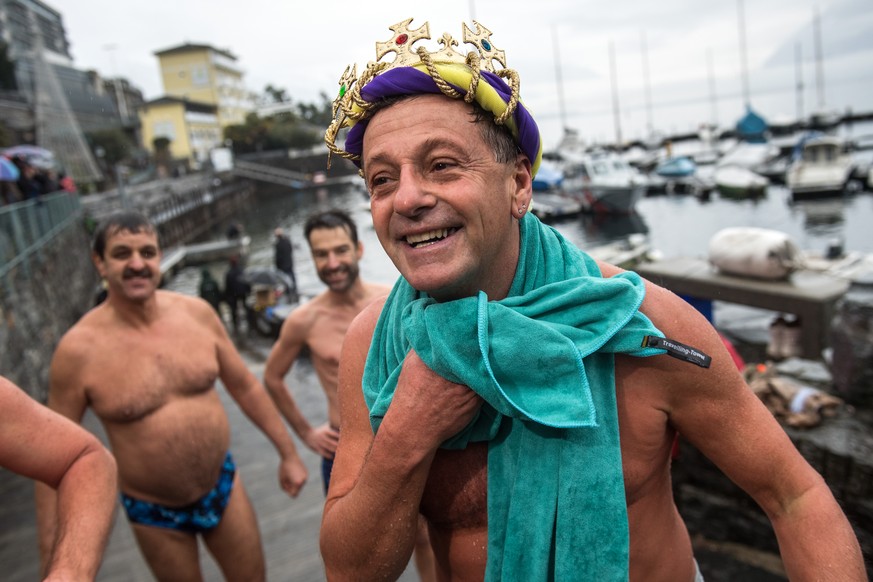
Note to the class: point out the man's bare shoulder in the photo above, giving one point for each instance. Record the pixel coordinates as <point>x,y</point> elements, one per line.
<point>365,322</point>
<point>377,290</point>
<point>89,330</point>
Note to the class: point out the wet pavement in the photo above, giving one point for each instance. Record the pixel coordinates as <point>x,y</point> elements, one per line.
<point>289,527</point>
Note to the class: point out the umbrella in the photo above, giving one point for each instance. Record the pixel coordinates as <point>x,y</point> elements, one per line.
<point>26,151</point>
<point>8,171</point>
<point>34,155</point>
<point>271,277</point>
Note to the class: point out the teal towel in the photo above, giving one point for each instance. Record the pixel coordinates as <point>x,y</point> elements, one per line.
<point>542,359</point>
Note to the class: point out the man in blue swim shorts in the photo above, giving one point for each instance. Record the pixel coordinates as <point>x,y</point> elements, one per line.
<point>146,361</point>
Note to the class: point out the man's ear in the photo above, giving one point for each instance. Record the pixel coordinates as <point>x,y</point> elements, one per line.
<point>99,264</point>
<point>360,250</point>
<point>522,186</point>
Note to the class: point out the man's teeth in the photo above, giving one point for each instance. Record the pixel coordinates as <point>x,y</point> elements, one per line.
<point>426,238</point>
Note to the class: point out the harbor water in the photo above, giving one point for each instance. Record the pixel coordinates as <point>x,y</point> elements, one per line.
<point>675,225</point>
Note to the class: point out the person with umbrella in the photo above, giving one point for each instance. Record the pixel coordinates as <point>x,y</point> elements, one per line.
<point>9,175</point>
<point>28,185</point>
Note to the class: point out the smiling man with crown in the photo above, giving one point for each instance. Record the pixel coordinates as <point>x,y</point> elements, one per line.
<point>504,389</point>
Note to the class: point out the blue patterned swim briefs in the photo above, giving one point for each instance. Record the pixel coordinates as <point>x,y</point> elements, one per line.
<point>200,516</point>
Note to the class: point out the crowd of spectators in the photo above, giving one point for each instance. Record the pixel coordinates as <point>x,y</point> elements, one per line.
<point>33,181</point>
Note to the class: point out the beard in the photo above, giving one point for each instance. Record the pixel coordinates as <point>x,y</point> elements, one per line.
<point>338,285</point>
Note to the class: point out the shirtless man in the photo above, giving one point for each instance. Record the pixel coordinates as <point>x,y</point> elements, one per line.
<point>320,325</point>
<point>40,444</point>
<point>146,362</point>
<point>489,291</point>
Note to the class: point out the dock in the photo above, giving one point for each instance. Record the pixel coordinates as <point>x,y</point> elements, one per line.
<point>811,296</point>
<point>196,254</point>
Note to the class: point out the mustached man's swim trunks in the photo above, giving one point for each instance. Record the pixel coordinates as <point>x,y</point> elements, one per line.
<point>200,516</point>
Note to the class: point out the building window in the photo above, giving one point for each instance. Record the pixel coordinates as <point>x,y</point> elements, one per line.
<point>200,75</point>
<point>164,129</point>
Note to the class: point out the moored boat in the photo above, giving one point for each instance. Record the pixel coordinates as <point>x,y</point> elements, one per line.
<point>738,182</point>
<point>821,167</point>
<point>602,182</point>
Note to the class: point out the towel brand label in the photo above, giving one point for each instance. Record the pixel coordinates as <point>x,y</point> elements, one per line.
<point>678,350</point>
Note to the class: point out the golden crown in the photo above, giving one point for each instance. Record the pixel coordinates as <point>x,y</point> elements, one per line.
<point>349,107</point>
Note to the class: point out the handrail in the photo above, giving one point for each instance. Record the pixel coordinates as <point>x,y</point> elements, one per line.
<point>26,227</point>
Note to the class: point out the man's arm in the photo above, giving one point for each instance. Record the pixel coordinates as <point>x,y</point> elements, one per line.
<point>254,401</point>
<point>67,459</point>
<point>66,397</point>
<point>719,414</point>
<point>292,338</point>
<point>371,514</point>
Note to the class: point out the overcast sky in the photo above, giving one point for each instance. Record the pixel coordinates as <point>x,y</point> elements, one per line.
<point>692,52</point>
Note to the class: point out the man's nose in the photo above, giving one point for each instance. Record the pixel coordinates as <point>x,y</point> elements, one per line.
<point>413,194</point>
<point>136,261</point>
<point>333,261</point>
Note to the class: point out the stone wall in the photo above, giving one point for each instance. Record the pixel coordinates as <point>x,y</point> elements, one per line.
<point>840,449</point>
<point>39,302</point>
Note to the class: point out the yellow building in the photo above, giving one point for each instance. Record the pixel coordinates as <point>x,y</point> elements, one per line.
<point>192,128</point>
<point>202,73</point>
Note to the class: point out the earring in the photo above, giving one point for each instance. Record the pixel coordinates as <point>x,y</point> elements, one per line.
<point>521,208</point>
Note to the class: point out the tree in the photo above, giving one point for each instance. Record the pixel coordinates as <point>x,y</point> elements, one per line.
<point>115,144</point>
<point>292,135</point>
<point>275,95</point>
<point>298,128</point>
<point>7,70</point>
<point>6,135</point>
<point>320,115</point>
<point>163,157</point>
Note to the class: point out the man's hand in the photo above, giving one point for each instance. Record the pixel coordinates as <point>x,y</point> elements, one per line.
<point>322,440</point>
<point>434,408</point>
<point>292,475</point>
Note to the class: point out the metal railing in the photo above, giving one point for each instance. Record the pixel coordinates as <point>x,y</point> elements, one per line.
<point>27,227</point>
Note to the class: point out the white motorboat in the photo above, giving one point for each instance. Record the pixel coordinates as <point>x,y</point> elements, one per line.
<point>821,166</point>
<point>739,182</point>
<point>602,181</point>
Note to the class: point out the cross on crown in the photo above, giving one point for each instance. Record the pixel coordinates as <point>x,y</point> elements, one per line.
<point>405,55</point>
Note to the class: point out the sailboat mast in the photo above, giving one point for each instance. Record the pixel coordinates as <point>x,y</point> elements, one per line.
<point>648,85</point>
<point>559,80</point>
<point>741,22</point>
<point>798,74</point>
<point>713,97</point>
<point>819,60</point>
<point>615,107</point>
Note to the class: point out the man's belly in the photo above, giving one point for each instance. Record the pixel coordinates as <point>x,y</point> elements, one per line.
<point>174,455</point>
<point>455,505</point>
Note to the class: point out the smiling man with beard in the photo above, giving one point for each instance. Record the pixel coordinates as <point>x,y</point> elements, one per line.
<point>146,362</point>
<point>320,325</point>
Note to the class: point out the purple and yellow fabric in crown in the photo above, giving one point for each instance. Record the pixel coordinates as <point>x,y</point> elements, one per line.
<point>415,71</point>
